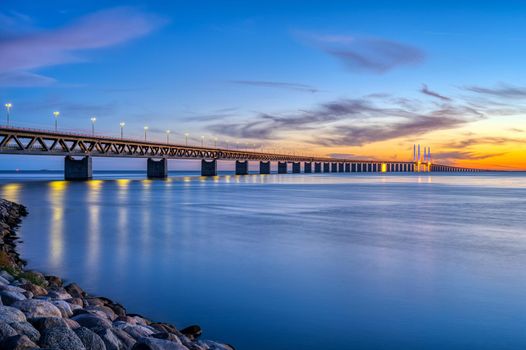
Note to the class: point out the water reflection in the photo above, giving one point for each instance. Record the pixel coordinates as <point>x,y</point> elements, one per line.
<point>56,198</point>
<point>11,192</point>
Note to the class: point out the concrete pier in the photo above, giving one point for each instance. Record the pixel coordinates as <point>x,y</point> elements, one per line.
<point>208,168</point>
<point>341,167</point>
<point>264,168</point>
<point>307,167</point>
<point>317,167</point>
<point>296,167</point>
<point>334,167</point>
<point>282,167</point>
<point>241,167</point>
<point>326,167</point>
<point>347,167</point>
<point>157,169</point>
<point>78,169</point>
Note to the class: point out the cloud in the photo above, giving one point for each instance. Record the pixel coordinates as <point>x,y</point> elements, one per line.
<point>278,85</point>
<point>350,122</point>
<point>23,53</point>
<point>464,155</point>
<point>24,79</point>
<point>374,55</point>
<point>425,90</point>
<point>501,91</point>
<point>489,140</point>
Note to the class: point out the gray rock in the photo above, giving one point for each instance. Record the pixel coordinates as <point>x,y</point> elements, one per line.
<point>171,337</point>
<point>59,294</point>
<point>72,323</point>
<point>6,331</point>
<point>136,331</point>
<point>64,307</point>
<point>6,276</point>
<point>109,338</point>
<point>147,343</point>
<point>10,314</point>
<point>212,345</point>
<point>18,342</point>
<point>9,296</point>
<point>43,323</point>
<point>61,338</point>
<point>127,340</point>
<point>104,310</point>
<point>37,308</point>
<point>26,329</point>
<point>91,340</point>
<point>75,291</point>
<point>3,281</point>
<point>90,321</point>
<point>12,288</point>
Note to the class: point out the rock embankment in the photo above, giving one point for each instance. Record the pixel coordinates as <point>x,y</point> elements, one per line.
<point>38,311</point>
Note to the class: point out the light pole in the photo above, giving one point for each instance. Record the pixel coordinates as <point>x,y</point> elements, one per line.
<point>186,138</point>
<point>56,114</point>
<point>168,136</point>
<point>8,106</point>
<point>93,120</point>
<point>145,131</point>
<point>215,142</point>
<point>122,124</point>
<point>202,141</point>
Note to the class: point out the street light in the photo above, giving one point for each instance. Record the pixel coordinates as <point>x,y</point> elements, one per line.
<point>8,106</point>
<point>168,136</point>
<point>145,131</point>
<point>202,141</point>
<point>215,142</point>
<point>186,137</point>
<point>56,114</point>
<point>93,120</point>
<point>122,124</point>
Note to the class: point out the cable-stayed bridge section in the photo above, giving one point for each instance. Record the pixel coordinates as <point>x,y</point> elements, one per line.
<point>79,149</point>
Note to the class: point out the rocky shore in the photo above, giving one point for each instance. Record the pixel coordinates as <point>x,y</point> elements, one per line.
<point>39,311</point>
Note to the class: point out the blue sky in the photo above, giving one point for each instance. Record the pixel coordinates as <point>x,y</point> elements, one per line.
<point>366,79</point>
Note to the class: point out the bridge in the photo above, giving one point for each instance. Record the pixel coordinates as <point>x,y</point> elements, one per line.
<point>79,149</point>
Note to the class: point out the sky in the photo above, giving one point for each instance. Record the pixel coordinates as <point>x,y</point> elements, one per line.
<point>353,79</point>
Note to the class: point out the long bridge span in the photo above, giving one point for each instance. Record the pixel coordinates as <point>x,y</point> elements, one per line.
<point>79,149</point>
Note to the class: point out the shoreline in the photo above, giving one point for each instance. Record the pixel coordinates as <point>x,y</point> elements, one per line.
<point>40,311</point>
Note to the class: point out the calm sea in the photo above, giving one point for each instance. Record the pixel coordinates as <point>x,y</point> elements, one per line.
<point>294,261</point>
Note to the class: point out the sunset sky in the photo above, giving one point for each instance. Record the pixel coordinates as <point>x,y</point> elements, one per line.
<point>363,79</point>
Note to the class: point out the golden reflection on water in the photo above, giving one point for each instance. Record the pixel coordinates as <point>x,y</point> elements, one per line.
<point>11,192</point>
<point>122,221</point>
<point>94,223</point>
<point>56,200</point>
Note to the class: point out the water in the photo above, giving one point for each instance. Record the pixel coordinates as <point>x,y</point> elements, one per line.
<point>295,261</point>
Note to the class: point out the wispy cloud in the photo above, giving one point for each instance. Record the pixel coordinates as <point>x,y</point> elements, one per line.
<point>464,155</point>
<point>501,91</point>
<point>486,140</point>
<point>24,53</point>
<point>366,54</point>
<point>277,85</point>
<point>426,91</point>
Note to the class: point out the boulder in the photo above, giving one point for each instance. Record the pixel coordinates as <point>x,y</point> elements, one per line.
<point>91,340</point>
<point>104,309</point>
<point>9,297</point>
<point>6,276</point>
<point>43,323</point>
<point>137,331</point>
<point>75,291</point>
<point>18,342</point>
<point>61,338</point>
<point>10,314</point>
<point>72,323</point>
<point>127,340</point>
<point>147,343</point>
<point>76,301</point>
<point>6,331</point>
<point>35,289</point>
<point>59,293</point>
<point>109,338</point>
<point>192,332</point>
<point>54,281</point>
<point>64,307</point>
<point>37,308</point>
<point>90,321</point>
<point>26,329</point>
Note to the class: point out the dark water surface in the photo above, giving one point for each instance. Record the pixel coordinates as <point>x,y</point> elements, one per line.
<point>295,261</point>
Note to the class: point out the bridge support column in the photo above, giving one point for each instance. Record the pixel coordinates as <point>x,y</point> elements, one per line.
<point>326,167</point>
<point>208,168</point>
<point>296,167</point>
<point>241,167</point>
<point>157,169</point>
<point>317,167</point>
<point>78,169</point>
<point>264,168</point>
<point>307,167</point>
<point>334,167</point>
<point>347,167</point>
<point>341,168</point>
<point>282,167</point>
